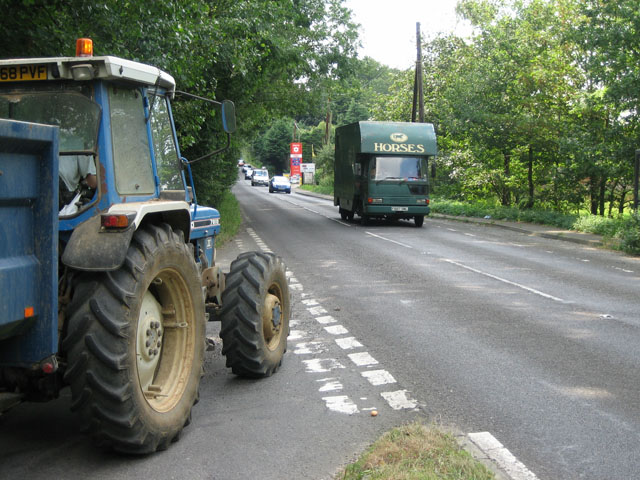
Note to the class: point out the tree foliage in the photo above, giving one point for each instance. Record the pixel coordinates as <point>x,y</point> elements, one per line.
<point>538,107</point>
<point>268,56</point>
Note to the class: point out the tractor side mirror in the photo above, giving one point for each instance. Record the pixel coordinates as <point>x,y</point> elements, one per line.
<point>228,116</point>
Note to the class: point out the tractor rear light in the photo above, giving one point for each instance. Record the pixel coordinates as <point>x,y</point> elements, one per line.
<point>84,47</point>
<point>48,368</point>
<point>49,365</point>
<point>109,221</point>
<point>28,312</point>
<point>374,200</point>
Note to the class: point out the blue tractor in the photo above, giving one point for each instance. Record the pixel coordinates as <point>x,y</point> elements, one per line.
<point>107,284</point>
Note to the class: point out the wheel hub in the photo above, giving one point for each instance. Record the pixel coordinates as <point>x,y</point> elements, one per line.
<point>272,318</point>
<point>149,339</point>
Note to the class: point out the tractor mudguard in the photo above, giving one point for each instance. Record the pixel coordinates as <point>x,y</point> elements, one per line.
<point>92,249</point>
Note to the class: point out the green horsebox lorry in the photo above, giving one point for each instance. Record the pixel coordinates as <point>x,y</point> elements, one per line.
<point>381,170</point>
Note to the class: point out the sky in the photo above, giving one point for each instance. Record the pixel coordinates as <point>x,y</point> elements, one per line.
<point>388,27</point>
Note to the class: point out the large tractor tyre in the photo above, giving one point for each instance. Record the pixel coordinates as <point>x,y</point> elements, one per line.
<point>135,345</point>
<point>256,308</point>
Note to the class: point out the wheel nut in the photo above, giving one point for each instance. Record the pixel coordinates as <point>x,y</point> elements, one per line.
<point>155,352</point>
<point>159,343</point>
<point>159,333</point>
<point>148,333</point>
<point>151,352</point>
<point>148,343</point>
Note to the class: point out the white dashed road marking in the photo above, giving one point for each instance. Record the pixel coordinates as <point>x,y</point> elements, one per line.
<point>399,400</point>
<point>325,319</point>
<point>342,404</point>
<point>348,343</point>
<point>336,330</point>
<point>329,385</point>
<point>315,311</point>
<point>378,377</point>
<point>362,359</point>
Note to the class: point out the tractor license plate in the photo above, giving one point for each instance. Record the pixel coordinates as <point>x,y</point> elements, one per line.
<point>399,209</point>
<point>22,73</point>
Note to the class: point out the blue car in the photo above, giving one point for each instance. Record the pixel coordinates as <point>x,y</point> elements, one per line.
<point>279,184</point>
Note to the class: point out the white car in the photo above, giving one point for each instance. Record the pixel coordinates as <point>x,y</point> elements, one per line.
<point>247,173</point>
<point>259,177</point>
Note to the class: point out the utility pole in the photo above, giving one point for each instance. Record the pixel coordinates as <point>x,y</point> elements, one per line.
<point>418,95</point>
<point>327,124</point>
<point>636,174</point>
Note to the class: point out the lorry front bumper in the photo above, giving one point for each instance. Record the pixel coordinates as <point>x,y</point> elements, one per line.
<point>396,210</point>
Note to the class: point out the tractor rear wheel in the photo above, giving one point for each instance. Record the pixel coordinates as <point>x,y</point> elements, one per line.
<point>135,344</point>
<point>256,308</point>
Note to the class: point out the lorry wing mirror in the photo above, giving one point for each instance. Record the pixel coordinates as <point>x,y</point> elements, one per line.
<point>228,116</point>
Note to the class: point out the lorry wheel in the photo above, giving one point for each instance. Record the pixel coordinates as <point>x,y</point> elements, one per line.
<point>343,214</point>
<point>256,308</point>
<point>135,344</point>
<point>365,220</point>
<point>419,219</point>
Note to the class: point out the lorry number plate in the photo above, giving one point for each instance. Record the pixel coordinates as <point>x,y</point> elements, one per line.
<point>399,209</point>
<point>21,73</point>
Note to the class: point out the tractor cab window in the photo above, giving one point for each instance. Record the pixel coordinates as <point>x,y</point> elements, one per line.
<point>398,168</point>
<point>131,154</point>
<point>68,106</point>
<point>164,145</point>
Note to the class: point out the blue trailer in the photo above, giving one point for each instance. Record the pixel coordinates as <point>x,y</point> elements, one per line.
<point>107,262</point>
<point>28,248</point>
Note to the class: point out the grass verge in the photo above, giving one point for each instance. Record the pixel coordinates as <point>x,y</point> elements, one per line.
<point>622,233</point>
<point>416,452</point>
<point>323,189</point>
<point>230,218</point>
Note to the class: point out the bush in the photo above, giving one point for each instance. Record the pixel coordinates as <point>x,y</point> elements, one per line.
<point>629,234</point>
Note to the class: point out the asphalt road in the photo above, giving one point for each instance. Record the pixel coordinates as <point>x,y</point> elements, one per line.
<point>482,329</point>
<point>531,339</point>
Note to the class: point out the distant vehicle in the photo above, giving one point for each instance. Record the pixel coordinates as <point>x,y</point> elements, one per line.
<point>241,163</point>
<point>295,179</point>
<point>245,167</point>
<point>260,177</point>
<point>247,173</point>
<point>279,184</point>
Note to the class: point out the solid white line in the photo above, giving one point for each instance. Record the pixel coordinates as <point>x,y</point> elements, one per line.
<point>509,282</point>
<point>389,240</point>
<point>503,457</point>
